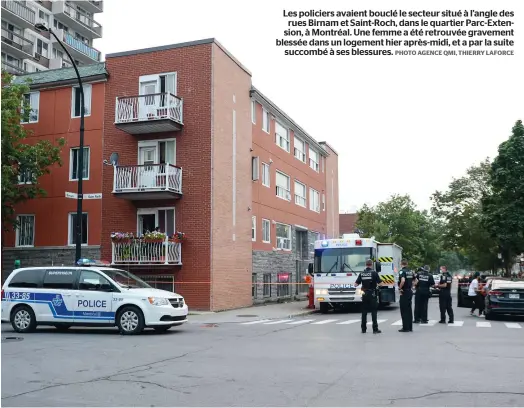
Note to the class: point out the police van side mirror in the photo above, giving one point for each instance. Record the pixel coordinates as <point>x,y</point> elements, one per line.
<point>378,266</point>
<point>310,269</point>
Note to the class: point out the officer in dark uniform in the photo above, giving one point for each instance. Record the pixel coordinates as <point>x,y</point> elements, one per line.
<point>370,280</point>
<point>445,296</point>
<point>406,280</point>
<point>424,282</point>
<point>416,312</point>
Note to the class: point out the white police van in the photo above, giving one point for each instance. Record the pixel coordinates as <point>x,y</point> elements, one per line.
<point>88,295</point>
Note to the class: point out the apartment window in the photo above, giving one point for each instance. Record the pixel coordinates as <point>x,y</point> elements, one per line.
<point>42,48</point>
<point>255,169</point>
<point>25,231</point>
<point>59,26</point>
<point>266,231</point>
<point>267,285</point>
<point>73,229</point>
<point>25,176</point>
<point>265,175</point>
<point>43,17</point>
<point>283,186</point>
<point>253,112</point>
<point>30,107</point>
<point>300,194</point>
<point>75,102</point>
<point>314,200</point>
<point>254,285</point>
<point>300,149</point>
<point>282,136</point>
<point>253,228</point>
<point>323,202</point>
<point>283,289</point>
<point>73,164</point>
<point>313,159</point>
<point>265,120</point>
<point>283,236</point>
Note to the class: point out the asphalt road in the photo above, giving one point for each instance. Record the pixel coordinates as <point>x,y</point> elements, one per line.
<point>290,362</point>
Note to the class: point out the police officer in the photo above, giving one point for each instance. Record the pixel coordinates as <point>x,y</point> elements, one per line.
<point>445,296</point>
<point>424,282</point>
<point>416,313</point>
<point>369,279</point>
<point>406,279</point>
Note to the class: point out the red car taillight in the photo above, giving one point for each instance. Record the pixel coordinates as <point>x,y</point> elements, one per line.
<point>494,293</point>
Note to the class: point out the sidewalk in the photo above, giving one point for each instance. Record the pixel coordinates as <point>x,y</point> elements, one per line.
<point>258,312</point>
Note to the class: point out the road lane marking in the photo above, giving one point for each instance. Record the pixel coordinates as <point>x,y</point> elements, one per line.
<point>325,321</point>
<point>429,323</point>
<point>279,321</point>
<point>397,323</point>
<point>257,321</point>
<point>349,322</point>
<point>456,324</point>
<point>379,321</point>
<point>483,324</point>
<point>302,321</point>
<point>513,326</point>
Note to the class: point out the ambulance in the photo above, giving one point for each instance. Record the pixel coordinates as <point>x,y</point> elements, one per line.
<point>337,263</point>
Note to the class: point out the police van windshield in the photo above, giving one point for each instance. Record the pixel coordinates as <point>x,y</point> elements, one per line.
<point>125,279</point>
<point>335,260</point>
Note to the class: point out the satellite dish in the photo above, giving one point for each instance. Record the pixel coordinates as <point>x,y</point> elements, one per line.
<point>114,159</point>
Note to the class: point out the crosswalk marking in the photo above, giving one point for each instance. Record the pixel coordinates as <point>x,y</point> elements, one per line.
<point>513,326</point>
<point>257,321</point>
<point>456,324</point>
<point>430,323</point>
<point>379,321</point>
<point>302,321</point>
<point>483,324</point>
<point>397,323</point>
<point>325,321</point>
<point>279,321</point>
<point>349,322</point>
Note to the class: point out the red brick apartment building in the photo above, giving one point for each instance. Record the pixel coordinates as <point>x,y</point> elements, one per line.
<point>348,223</point>
<point>200,151</point>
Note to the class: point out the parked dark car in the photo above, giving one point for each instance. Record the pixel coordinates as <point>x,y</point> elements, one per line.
<point>504,296</point>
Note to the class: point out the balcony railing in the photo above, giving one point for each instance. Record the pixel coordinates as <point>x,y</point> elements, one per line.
<point>17,41</point>
<point>148,178</point>
<point>12,68</point>
<point>149,107</point>
<point>82,18</point>
<point>78,45</point>
<point>20,10</point>
<point>138,251</point>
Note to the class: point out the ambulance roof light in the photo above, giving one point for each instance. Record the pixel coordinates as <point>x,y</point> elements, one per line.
<point>358,242</point>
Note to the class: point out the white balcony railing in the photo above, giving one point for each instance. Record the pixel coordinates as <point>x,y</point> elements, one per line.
<point>81,17</point>
<point>149,107</point>
<point>17,41</point>
<point>20,10</point>
<point>156,177</point>
<point>140,251</point>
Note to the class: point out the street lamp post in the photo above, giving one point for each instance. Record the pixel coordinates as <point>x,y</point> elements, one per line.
<point>80,170</point>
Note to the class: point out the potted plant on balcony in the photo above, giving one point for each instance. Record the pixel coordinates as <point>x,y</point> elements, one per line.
<point>178,237</point>
<point>121,237</point>
<point>154,237</point>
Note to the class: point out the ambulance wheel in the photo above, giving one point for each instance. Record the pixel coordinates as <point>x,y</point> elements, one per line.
<point>324,307</point>
<point>130,320</point>
<point>62,326</point>
<point>23,319</point>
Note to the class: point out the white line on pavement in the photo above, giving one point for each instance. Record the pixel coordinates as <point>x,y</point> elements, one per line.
<point>456,324</point>
<point>279,321</point>
<point>302,321</point>
<point>257,321</point>
<point>325,321</point>
<point>397,323</point>
<point>349,322</point>
<point>483,324</point>
<point>429,323</point>
<point>513,326</point>
<point>379,321</point>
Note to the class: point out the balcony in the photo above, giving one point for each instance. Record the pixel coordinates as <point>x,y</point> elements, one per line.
<point>91,5</point>
<point>13,69</point>
<point>151,113</point>
<point>16,45</point>
<point>76,19</point>
<point>56,63</point>
<point>139,251</point>
<point>148,182</point>
<point>79,51</point>
<point>21,15</point>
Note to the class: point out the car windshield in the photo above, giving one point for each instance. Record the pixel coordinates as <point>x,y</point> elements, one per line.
<point>333,260</point>
<point>125,279</point>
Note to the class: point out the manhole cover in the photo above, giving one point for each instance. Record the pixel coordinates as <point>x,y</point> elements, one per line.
<point>8,339</point>
<point>247,315</point>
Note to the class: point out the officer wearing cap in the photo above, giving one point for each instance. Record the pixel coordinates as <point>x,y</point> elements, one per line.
<point>406,279</point>
<point>424,282</point>
<point>370,280</point>
<point>445,296</point>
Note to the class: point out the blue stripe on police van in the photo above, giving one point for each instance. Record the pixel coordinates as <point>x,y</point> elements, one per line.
<point>57,305</point>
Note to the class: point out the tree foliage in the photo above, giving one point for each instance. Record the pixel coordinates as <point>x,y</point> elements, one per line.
<point>22,159</point>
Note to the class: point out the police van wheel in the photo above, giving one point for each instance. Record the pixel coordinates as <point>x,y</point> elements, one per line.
<point>23,319</point>
<point>130,320</point>
<point>324,307</point>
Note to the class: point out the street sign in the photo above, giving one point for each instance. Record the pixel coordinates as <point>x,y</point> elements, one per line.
<point>93,196</point>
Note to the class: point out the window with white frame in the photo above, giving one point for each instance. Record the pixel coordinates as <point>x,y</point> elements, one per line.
<point>266,231</point>
<point>30,107</point>
<point>300,194</point>
<point>283,186</point>
<point>148,219</point>
<point>253,112</point>
<point>25,230</point>
<point>283,236</point>
<point>25,176</point>
<point>265,120</point>
<point>282,136</point>
<point>253,228</point>
<point>300,149</point>
<point>42,48</point>
<point>266,175</point>
<point>313,159</point>
<point>314,200</point>
<point>255,169</point>
<point>323,202</point>
<point>75,101</point>
<point>73,228</point>
<point>74,163</point>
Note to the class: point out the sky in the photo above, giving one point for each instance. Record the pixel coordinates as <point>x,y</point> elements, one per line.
<point>400,124</point>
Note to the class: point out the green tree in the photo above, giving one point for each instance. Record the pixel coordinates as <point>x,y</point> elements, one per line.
<point>460,208</point>
<point>22,159</point>
<point>503,207</point>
